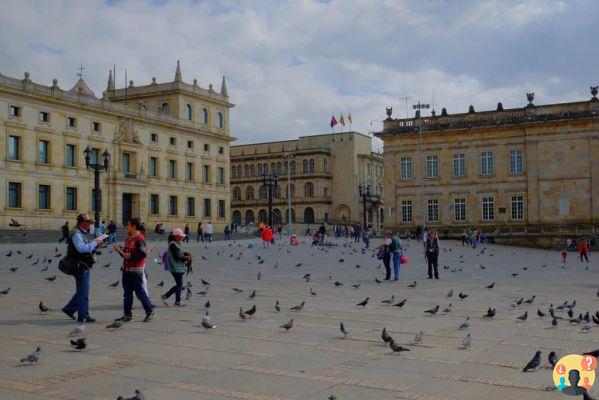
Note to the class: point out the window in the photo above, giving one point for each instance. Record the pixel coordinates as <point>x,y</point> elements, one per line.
<point>94,156</point>
<point>154,138</point>
<point>43,152</point>
<point>459,209</point>
<point>311,165</point>
<point>325,165</point>
<point>262,192</point>
<point>71,199</point>
<point>191,206</point>
<point>206,147</point>
<point>249,193</point>
<point>221,209</point>
<point>15,111</point>
<point>459,165</point>
<point>154,204</point>
<point>189,172</point>
<point>172,205</point>
<point>259,169</point>
<point>69,157</point>
<point>516,162</point>
<point>433,210</point>
<point>233,172</point>
<point>153,166</point>
<point>206,173</point>
<point>126,162</point>
<point>406,211</point>
<point>220,176</point>
<point>517,207</point>
<point>325,192</point>
<point>488,209</point>
<point>204,116</point>
<point>236,194</point>
<point>221,120</point>
<point>247,171</point>
<point>221,150</point>
<point>308,189</point>
<point>165,109</point>
<point>290,188</point>
<point>93,200</point>
<point>44,117</point>
<point>172,169</point>
<point>207,208</point>
<point>43,197</point>
<point>406,168</point>
<point>190,144</point>
<point>305,166</point>
<point>14,195</point>
<point>252,171</point>
<point>292,167</point>
<point>265,168</point>
<point>432,167</point>
<point>188,112</point>
<point>96,126</point>
<point>71,122</point>
<point>173,141</point>
<point>486,163</point>
<point>14,148</point>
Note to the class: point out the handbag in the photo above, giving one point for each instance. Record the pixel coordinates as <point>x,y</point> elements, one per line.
<point>71,267</point>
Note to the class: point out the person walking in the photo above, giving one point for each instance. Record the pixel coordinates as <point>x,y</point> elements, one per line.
<point>178,264</point>
<point>583,249</point>
<point>112,232</point>
<point>80,253</point>
<point>432,254</point>
<point>200,233</point>
<point>227,232</point>
<point>65,232</point>
<point>384,250</point>
<point>134,255</point>
<point>186,231</point>
<point>209,232</point>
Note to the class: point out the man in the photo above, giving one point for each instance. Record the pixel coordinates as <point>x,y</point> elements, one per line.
<point>112,232</point>
<point>209,232</point>
<point>134,261</point>
<point>395,247</point>
<point>385,248</point>
<point>227,232</point>
<point>65,232</point>
<point>583,249</point>
<point>80,251</point>
<point>432,254</point>
<point>186,230</point>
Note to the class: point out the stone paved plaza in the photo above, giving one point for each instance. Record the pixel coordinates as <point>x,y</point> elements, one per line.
<point>173,357</point>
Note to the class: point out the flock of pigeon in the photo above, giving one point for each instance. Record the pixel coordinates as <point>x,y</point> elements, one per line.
<point>565,312</point>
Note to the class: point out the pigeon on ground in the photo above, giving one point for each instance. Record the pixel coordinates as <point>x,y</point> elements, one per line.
<point>5,291</point>
<point>137,396</point>
<point>205,283</point>
<point>390,300</point>
<point>531,300</point>
<point>523,317</point>
<point>332,397</point>
<point>554,322</point>
<point>462,295</point>
<point>299,307</point>
<point>396,347</point>
<point>363,303</point>
<point>490,313</point>
<point>356,285</point>
<point>413,284</point>
<point>540,313</point>
<point>242,314</point>
<point>237,290</point>
<point>298,264</point>
<point>447,309</point>
<point>312,292</point>
<point>114,284</point>
<point>467,342</point>
<point>465,324</point>
<point>207,305</point>
<point>78,330</point>
<point>343,330</point>
<point>206,322</point>
<point>307,277</point>
<point>13,269</point>
<point>418,338</point>
<point>377,280</point>
<point>338,284</point>
<point>385,336</point>
<point>450,294</point>
<point>491,286</point>
<point>34,357</point>
<point>251,311</point>
<point>43,308</point>
<point>534,363</point>
<point>9,254</point>
<point>277,306</point>
<point>252,296</point>
<point>288,325</point>
<point>552,358</point>
<point>79,344</point>
<point>587,327</point>
<point>433,310</point>
<point>116,325</point>
<point>45,268</point>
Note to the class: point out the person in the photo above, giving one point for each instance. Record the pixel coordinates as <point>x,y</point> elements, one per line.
<point>293,241</point>
<point>574,389</point>
<point>432,254</point>
<point>564,255</point>
<point>227,232</point>
<point>112,232</point>
<point>385,249</point>
<point>200,233</point>
<point>395,247</point>
<point>357,232</point>
<point>65,232</point>
<point>134,255</point>
<point>266,236</point>
<point>418,233</point>
<point>178,264</point>
<point>158,229</point>
<point>464,237</point>
<point>143,229</point>
<point>80,251</point>
<point>186,231</point>
<point>366,236</point>
<point>209,232</point>
<point>583,249</point>
<point>102,228</point>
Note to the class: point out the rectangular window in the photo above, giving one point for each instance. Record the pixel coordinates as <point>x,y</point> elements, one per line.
<point>516,162</point>
<point>206,173</point>
<point>406,168</point>
<point>486,163</point>
<point>43,154</point>
<point>14,195</point>
<point>459,165</point>
<point>221,150</point>
<point>459,209</point>
<point>206,147</point>
<point>69,157</point>
<point>191,206</point>
<point>154,138</point>
<point>190,144</point>
<point>15,111</point>
<point>432,167</point>
<point>96,126</point>
<point>172,169</point>
<point>173,141</point>
<point>154,204</point>
<point>220,176</point>
<point>433,210</point>
<point>44,197</point>
<point>517,207</point>
<point>14,148</point>
<point>189,171</point>
<point>488,209</point>
<point>94,156</point>
<point>126,162</point>
<point>172,205</point>
<point>71,199</point>
<point>44,117</point>
<point>153,166</point>
<point>71,122</point>
<point>221,209</point>
<point>406,211</point>
<point>207,208</point>
<point>93,200</point>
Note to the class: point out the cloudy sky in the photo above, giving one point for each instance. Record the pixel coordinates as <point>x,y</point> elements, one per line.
<point>290,65</point>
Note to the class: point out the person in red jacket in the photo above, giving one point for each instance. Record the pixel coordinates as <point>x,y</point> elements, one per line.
<point>583,249</point>
<point>266,236</point>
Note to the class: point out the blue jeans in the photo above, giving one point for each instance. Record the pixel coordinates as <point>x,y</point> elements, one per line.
<point>134,282</point>
<point>177,288</point>
<point>208,237</point>
<point>112,238</point>
<point>396,263</point>
<point>80,300</point>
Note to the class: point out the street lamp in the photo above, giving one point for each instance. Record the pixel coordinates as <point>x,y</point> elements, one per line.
<point>270,182</point>
<point>289,156</point>
<point>366,196</point>
<point>419,107</point>
<point>97,168</point>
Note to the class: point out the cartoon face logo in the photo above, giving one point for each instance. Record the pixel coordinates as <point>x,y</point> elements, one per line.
<point>574,374</point>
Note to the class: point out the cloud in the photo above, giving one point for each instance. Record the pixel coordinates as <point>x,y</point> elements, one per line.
<point>291,64</point>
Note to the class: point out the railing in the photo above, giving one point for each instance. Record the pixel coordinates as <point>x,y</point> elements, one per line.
<point>130,175</point>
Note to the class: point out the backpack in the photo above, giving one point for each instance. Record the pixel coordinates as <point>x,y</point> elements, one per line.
<point>395,244</point>
<point>165,262</point>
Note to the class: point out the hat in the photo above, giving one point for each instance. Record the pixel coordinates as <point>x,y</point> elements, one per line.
<point>83,218</point>
<point>178,232</point>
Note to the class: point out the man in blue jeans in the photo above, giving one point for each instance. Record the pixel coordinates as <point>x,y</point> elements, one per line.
<point>395,247</point>
<point>80,251</point>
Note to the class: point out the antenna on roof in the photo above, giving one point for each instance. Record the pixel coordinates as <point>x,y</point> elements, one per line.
<point>114,87</point>
<point>80,73</point>
<point>125,86</point>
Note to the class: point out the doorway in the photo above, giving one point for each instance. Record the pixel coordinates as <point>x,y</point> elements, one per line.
<point>127,202</point>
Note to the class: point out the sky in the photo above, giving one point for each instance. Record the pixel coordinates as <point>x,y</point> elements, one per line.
<point>291,65</point>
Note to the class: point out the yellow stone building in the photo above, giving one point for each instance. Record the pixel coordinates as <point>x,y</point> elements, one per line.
<point>533,169</point>
<point>169,144</point>
<point>323,173</point>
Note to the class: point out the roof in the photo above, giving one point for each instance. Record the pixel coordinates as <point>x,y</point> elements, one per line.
<point>82,88</point>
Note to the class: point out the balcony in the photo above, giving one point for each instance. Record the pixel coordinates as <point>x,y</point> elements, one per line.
<point>130,175</point>
<point>282,202</point>
<point>283,177</point>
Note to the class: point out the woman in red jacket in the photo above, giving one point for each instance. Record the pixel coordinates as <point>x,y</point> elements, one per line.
<point>266,236</point>
<point>583,249</point>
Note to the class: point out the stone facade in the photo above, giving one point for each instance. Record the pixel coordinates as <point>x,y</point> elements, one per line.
<point>324,172</point>
<point>529,169</point>
<point>169,144</point>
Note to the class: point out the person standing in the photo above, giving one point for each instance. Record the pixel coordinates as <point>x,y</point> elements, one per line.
<point>112,232</point>
<point>385,248</point>
<point>583,249</point>
<point>432,254</point>
<point>134,256</point>
<point>186,231</point>
<point>227,232</point>
<point>200,232</point>
<point>209,232</point>
<point>80,252</point>
<point>65,232</point>
<point>395,247</point>
<point>178,262</point>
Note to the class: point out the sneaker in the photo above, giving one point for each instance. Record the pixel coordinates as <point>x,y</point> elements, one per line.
<point>88,319</point>
<point>125,319</point>
<point>67,312</point>
<point>149,316</point>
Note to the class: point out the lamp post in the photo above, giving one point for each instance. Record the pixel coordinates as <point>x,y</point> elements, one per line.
<point>270,182</point>
<point>97,168</point>
<point>289,156</point>
<point>366,196</point>
<point>419,107</point>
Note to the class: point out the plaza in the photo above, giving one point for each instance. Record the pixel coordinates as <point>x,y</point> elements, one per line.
<point>173,357</point>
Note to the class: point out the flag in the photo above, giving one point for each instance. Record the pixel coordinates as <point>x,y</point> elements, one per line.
<point>341,120</point>
<point>333,121</point>
<point>349,118</point>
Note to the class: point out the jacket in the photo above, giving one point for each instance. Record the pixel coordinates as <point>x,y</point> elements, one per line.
<point>135,246</point>
<point>176,259</point>
<point>74,255</point>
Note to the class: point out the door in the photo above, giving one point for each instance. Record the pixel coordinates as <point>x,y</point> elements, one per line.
<point>127,207</point>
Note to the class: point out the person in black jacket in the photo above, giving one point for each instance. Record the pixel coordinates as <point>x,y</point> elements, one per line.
<point>65,232</point>
<point>432,254</point>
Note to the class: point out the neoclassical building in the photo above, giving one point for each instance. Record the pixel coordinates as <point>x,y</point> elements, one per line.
<point>169,146</point>
<point>321,173</point>
<point>532,169</point>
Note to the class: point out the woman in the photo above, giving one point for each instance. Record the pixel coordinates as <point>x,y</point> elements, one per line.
<point>432,254</point>
<point>178,263</point>
<point>266,236</point>
<point>386,253</point>
<point>200,232</point>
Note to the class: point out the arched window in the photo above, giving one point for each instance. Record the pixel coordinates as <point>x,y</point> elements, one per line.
<point>325,165</point>
<point>287,215</point>
<point>249,193</point>
<point>279,168</point>
<point>262,216</point>
<point>165,109</point>
<point>309,215</point>
<point>233,172</point>
<point>308,189</point>
<point>305,166</point>
<point>249,217</point>
<point>262,193</point>
<point>247,171</point>
<point>276,192</point>
<point>188,112</point>
<point>236,193</point>
<point>252,171</point>
<point>311,168</point>
<point>325,192</point>
<point>259,169</point>
<point>237,217</point>
<point>221,120</point>
<point>290,188</point>
<point>276,216</point>
<point>265,168</point>
<point>273,168</point>
<point>204,116</point>
<point>292,168</point>
<point>239,171</point>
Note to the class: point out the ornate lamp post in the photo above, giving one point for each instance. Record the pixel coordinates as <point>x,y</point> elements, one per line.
<point>97,168</point>
<point>270,182</point>
<point>366,197</point>
<point>419,108</point>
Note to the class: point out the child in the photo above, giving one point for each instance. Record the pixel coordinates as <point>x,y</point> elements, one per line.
<point>564,255</point>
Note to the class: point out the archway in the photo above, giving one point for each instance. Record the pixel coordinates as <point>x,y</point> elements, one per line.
<point>262,216</point>
<point>249,217</point>
<point>287,215</point>
<point>309,215</point>
<point>276,216</point>
<point>342,214</point>
<point>237,217</point>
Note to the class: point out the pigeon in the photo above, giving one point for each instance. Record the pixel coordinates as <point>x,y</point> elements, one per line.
<point>242,314</point>
<point>5,291</point>
<point>562,306</point>
<point>540,313</point>
<point>587,327</point>
<point>447,309</point>
<point>490,313</point>
<point>462,295</point>
<point>343,330</point>
<point>45,268</point>
<point>299,307</point>
<point>259,276</point>
<point>51,278</point>
<point>385,336</point>
<point>523,317</point>
<point>13,269</point>
<point>203,292</point>
<point>491,286</point>
<point>137,396</point>
<point>207,305</point>
<point>390,300</point>
<point>433,310</point>
<point>307,277</point>
<point>418,338</point>
<point>332,397</point>
<point>79,344</point>
<point>465,324</point>
<point>206,322</point>
<point>298,264</point>
<point>338,284</point>
<point>518,302</point>
<point>363,303</point>
<point>43,308</point>
<point>252,296</point>
<point>449,294</point>
<point>534,363</point>
<point>34,357</point>
<point>554,322</point>
<point>312,292</point>
<point>251,311</point>
<point>188,294</point>
<point>29,256</point>
<point>238,290</point>
<point>114,284</point>
<point>378,281</point>
<point>552,358</point>
<point>467,342</point>
<point>356,285</point>
<point>396,347</point>
<point>9,254</point>
<point>78,330</point>
<point>412,285</point>
<point>36,262</point>
<point>277,306</point>
<point>116,325</point>
<point>531,300</point>
<point>205,283</point>
<point>15,224</point>
<point>161,284</point>
<point>288,325</point>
